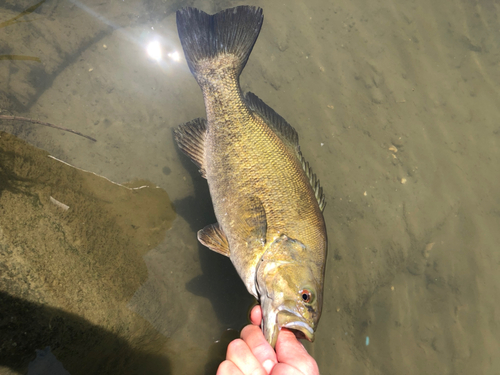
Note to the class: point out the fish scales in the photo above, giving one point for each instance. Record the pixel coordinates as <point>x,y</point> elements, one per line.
<point>267,202</point>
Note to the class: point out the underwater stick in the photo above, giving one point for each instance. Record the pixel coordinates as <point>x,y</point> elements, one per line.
<point>3,117</point>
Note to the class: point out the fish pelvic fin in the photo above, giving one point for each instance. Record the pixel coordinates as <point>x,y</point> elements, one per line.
<point>190,138</point>
<point>224,39</point>
<point>214,238</point>
<point>289,137</point>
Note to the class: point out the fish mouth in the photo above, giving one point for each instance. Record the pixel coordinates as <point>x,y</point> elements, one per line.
<point>282,316</point>
<point>295,323</point>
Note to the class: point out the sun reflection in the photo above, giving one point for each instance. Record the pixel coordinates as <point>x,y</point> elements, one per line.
<point>175,56</point>
<point>154,50</point>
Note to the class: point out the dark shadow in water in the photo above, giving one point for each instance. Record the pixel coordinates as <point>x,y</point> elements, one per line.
<point>8,179</point>
<point>220,282</point>
<point>83,348</point>
<point>217,351</point>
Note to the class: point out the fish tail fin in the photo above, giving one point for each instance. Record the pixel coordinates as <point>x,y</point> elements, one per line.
<point>219,43</point>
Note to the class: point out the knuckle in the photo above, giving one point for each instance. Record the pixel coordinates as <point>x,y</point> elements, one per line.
<point>225,367</point>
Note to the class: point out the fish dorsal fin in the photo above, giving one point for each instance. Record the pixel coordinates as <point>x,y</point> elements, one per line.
<point>314,181</point>
<point>190,138</point>
<point>278,124</point>
<point>214,238</point>
<point>289,137</point>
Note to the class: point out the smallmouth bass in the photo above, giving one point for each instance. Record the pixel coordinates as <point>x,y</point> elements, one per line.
<point>267,200</point>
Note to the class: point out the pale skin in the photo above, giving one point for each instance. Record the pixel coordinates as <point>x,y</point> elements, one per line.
<point>252,354</point>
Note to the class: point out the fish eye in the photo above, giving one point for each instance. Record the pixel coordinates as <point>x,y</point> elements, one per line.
<point>306,296</point>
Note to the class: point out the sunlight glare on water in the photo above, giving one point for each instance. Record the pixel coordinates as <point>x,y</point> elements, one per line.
<point>154,50</point>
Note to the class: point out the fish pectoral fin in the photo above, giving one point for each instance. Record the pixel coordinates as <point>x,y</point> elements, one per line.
<point>254,221</point>
<point>190,138</point>
<point>214,238</point>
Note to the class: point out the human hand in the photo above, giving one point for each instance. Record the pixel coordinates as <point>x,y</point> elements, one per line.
<point>252,354</point>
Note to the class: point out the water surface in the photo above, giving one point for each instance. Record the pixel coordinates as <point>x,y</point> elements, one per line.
<point>397,107</point>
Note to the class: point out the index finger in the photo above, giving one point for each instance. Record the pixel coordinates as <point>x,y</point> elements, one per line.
<point>240,354</point>
<point>254,338</point>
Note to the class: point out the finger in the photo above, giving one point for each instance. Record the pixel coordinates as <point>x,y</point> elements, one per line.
<point>254,338</point>
<point>286,369</point>
<point>228,368</point>
<point>240,354</point>
<point>289,350</point>
<point>256,315</point>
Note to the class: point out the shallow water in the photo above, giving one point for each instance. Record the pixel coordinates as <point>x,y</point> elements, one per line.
<point>397,108</point>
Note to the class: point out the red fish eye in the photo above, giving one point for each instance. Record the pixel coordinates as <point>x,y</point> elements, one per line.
<point>305,295</point>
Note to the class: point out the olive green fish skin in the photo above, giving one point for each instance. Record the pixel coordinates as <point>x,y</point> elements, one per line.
<point>263,200</point>
<point>245,160</point>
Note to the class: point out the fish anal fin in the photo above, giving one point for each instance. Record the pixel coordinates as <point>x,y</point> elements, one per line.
<point>190,138</point>
<point>214,238</point>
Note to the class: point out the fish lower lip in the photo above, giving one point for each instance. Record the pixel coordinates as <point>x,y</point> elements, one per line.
<point>296,325</point>
<point>293,321</point>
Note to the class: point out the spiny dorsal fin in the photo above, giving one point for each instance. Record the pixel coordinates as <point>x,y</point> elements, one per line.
<point>190,138</point>
<point>214,238</point>
<point>314,181</point>
<point>288,136</point>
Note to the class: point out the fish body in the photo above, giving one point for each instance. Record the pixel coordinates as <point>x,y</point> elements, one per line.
<point>267,201</point>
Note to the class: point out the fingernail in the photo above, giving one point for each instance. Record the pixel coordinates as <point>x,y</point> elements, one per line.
<point>268,365</point>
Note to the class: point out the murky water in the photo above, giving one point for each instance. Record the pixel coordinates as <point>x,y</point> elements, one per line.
<point>397,108</point>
